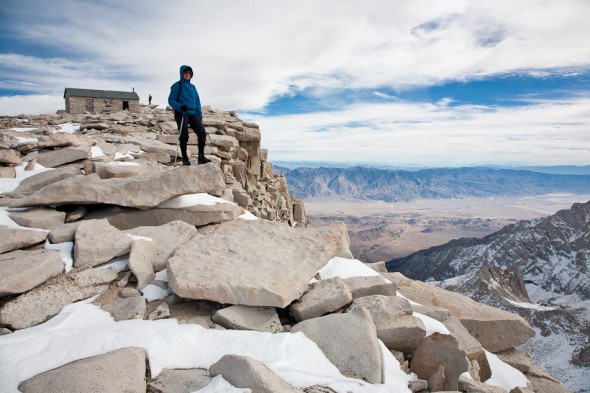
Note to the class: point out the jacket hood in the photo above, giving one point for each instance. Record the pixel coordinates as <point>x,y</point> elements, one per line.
<point>184,68</point>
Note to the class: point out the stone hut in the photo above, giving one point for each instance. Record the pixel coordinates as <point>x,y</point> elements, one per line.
<point>100,101</point>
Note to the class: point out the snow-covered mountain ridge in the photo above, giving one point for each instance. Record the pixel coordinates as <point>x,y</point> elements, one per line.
<point>550,259</point>
<point>552,253</point>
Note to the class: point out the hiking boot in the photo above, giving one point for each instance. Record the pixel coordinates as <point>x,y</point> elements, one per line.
<point>202,159</point>
<point>186,161</point>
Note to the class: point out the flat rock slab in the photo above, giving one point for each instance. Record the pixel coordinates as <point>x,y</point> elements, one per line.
<point>469,385</point>
<point>516,358</point>
<point>247,373</point>
<point>321,298</point>
<point>440,349</point>
<point>159,157</point>
<point>47,300</point>
<point>395,324</point>
<point>38,181</point>
<point>438,313</point>
<point>180,380</point>
<point>61,140</point>
<point>495,329</point>
<point>168,237</point>
<point>122,370</point>
<point>472,347</point>
<point>10,157</point>
<point>143,191</point>
<point>21,271</point>
<point>7,172</point>
<point>141,261</point>
<point>63,233</point>
<point>108,171</point>
<point>155,146</point>
<point>261,319</point>
<point>39,218</point>
<point>370,285</point>
<point>198,215</point>
<point>544,385</point>
<point>226,266</point>
<point>173,139</point>
<point>96,242</point>
<point>16,238</point>
<point>224,141</point>
<point>128,308</point>
<point>349,341</point>
<point>53,158</point>
<point>161,312</point>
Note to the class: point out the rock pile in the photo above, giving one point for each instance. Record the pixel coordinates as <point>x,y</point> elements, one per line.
<point>147,140</point>
<point>131,238</point>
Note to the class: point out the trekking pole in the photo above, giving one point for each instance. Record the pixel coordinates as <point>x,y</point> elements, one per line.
<point>178,139</point>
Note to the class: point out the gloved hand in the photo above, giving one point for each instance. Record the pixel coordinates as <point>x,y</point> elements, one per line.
<point>183,107</point>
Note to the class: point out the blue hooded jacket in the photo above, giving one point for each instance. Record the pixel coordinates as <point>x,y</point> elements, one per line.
<point>184,92</point>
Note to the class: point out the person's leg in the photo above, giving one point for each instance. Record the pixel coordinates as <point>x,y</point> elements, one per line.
<point>183,136</point>
<point>197,126</point>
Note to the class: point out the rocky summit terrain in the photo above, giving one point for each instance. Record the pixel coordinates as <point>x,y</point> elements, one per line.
<point>123,272</point>
<point>539,269</point>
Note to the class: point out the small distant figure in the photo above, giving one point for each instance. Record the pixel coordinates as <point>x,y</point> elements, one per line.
<point>150,99</point>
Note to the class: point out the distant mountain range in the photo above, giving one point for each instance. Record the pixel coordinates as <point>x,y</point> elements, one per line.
<point>539,269</point>
<point>557,169</point>
<point>442,183</point>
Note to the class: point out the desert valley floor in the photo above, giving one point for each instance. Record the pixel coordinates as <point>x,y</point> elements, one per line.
<point>380,231</point>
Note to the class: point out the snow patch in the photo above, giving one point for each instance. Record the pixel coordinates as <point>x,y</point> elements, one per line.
<point>504,375</point>
<point>83,330</point>
<point>531,306</point>
<point>23,129</point>
<point>68,128</point>
<point>96,151</point>
<point>10,184</point>
<point>344,268</point>
<point>189,200</point>
<point>65,252</point>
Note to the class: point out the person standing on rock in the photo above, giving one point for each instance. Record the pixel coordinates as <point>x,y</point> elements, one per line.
<point>184,99</point>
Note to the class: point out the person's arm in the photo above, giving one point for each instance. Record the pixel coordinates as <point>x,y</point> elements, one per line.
<point>172,97</point>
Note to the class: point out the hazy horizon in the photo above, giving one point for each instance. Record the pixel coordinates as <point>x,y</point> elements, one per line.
<point>556,169</point>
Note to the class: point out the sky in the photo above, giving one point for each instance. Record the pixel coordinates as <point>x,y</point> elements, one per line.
<point>83,330</point>
<point>383,82</point>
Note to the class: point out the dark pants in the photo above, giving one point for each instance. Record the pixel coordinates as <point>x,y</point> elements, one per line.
<point>197,125</point>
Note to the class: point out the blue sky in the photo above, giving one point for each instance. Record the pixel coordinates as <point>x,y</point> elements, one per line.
<point>400,83</point>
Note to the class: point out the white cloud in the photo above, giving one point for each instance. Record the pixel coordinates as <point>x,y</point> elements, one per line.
<point>31,105</point>
<point>245,53</point>
<point>434,135</point>
<point>384,95</point>
<point>445,101</point>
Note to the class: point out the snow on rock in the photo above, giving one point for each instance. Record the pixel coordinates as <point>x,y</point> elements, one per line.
<point>82,330</point>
